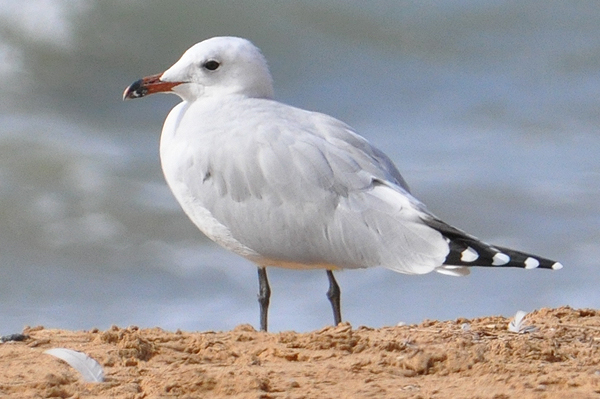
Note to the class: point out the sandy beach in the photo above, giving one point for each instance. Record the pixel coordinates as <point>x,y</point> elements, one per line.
<point>461,358</point>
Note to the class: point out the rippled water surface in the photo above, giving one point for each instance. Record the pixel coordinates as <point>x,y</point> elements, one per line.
<point>489,108</point>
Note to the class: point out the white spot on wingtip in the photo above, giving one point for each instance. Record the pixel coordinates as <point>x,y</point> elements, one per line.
<point>500,259</point>
<point>557,266</point>
<point>531,263</point>
<point>469,255</point>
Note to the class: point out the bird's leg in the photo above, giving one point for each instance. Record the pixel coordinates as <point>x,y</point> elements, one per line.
<point>333,294</point>
<point>264,294</point>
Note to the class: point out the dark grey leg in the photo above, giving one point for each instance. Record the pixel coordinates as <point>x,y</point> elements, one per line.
<point>333,294</point>
<point>264,294</point>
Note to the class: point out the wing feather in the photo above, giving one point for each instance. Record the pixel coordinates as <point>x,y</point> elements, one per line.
<point>304,189</point>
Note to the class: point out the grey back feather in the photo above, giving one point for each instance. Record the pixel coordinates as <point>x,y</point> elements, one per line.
<point>307,179</point>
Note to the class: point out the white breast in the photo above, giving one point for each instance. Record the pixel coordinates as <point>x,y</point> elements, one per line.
<point>177,159</point>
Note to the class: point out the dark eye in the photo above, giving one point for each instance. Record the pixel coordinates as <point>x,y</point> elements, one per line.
<point>211,65</point>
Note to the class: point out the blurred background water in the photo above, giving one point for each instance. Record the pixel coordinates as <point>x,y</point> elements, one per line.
<point>489,108</point>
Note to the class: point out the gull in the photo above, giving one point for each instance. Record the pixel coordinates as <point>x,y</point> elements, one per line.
<point>286,187</point>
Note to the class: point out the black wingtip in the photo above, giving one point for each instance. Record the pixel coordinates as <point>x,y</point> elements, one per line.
<point>466,250</point>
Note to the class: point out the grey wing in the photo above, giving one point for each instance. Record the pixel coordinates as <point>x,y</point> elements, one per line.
<point>370,158</point>
<point>314,194</point>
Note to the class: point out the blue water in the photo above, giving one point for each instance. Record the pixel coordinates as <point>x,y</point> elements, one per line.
<point>489,108</point>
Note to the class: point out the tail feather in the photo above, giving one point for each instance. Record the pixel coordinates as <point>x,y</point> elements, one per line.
<point>466,250</point>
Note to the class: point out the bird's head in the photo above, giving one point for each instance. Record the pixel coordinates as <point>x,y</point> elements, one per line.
<point>215,67</point>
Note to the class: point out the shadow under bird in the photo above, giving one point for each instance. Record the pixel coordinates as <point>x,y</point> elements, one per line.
<point>286,187</point>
